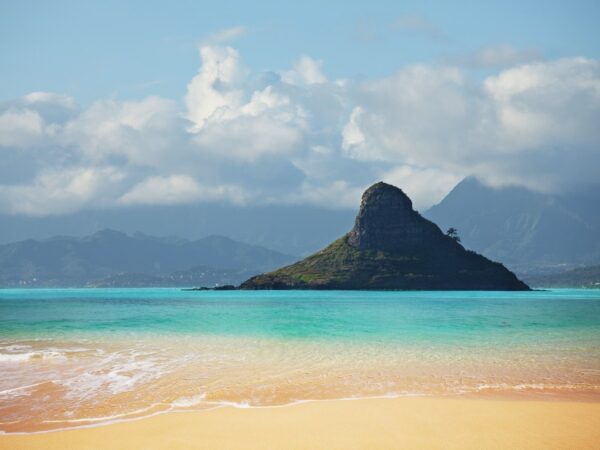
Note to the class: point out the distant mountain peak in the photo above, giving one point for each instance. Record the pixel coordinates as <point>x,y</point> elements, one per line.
<point>526,229</point>
<point>108,233</point>
<point>217,238</point>
<point>115,258</point>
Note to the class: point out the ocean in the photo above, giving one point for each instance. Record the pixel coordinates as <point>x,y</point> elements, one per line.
<point>80,357</point>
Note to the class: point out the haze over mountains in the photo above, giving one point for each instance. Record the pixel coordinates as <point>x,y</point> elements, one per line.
<point>112,258</point>
<point>531,233</point>
<point>582,277</point>
<point>528,231</point>
<point>293,229</point>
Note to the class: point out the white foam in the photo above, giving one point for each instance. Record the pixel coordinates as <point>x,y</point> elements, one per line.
<point>111,377</point>
<point>22,353</point>
<point>19,390</point>
<point>107,419</point>
<point>16,357</point>
<point>186,402</point>
<point>15,347</point>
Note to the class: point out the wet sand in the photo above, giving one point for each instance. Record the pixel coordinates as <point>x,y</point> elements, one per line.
<point>340,424</point>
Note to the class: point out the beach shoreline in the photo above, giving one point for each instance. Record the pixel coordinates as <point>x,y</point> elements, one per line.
<point>406,422</point>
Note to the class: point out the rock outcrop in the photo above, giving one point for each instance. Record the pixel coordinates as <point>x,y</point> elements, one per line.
<point>391,247</point>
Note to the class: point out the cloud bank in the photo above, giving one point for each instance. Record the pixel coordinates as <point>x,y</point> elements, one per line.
<point>296,136</point>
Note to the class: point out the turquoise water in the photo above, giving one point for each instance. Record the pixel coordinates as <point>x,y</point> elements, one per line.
<point>72,357</point>
<point>558,315</point>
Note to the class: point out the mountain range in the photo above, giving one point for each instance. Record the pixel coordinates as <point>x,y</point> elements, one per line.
<point>582,277</point>
<point>531,233</point>
<point>112,258</point>
<point>288,229</point>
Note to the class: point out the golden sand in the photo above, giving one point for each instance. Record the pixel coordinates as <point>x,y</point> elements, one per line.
<point>358,424</point>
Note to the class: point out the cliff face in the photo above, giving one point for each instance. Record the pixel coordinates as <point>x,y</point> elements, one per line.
<point>387,222</point>
<point>391,247</point>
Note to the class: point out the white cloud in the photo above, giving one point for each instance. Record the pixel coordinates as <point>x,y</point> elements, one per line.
<point>50,98</point>
<point>306,70</point>
<point>20,128</point>
<point>549,103</point>
<point>61,191</point>
<point>412,117</point>
<point>249,138</point>
<point>236,122</point>
<point>336,194</point>
<point>533,125</point>
<point>34,118</point>
<point>297,137</point>
<point>352,136</point>
<point>142,132</point>
<point>176,189</point>
<point>214,90</point>
<point>425,187</point>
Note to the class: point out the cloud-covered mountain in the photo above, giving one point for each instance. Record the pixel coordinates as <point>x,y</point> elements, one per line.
<point>526,230</point>
<point>113,258</point>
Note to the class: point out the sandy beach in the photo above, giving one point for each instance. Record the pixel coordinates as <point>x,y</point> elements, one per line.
<point>341,424</point>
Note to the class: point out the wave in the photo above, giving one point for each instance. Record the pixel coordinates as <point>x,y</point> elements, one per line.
<point>21,353</point>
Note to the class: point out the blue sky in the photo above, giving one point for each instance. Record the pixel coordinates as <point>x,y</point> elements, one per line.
<point>114,104</point>
<point>130,49</point>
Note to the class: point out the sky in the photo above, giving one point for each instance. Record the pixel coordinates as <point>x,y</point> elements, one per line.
<point>117,104</point>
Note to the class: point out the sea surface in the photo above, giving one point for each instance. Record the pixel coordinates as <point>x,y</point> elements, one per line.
<point>81,357</point>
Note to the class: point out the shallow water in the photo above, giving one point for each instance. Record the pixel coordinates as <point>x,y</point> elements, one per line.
<point>72,357</point>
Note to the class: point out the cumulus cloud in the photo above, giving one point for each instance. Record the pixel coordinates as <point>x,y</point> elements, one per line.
<point>62,191</point>
<point>229,120</point>
<point>295,136</point>
<point>139,132</point>
<point>306,70</point>
<point>176,189</point>
<point>27,121</point>
<point>532,125</point>
<point>414,116</point>
<point>50,99</point>
<point>20,128</point>
<point>214,90</point>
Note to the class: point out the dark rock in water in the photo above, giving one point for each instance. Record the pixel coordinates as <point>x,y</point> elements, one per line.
<point>227,287</point>
<point>391,247</point>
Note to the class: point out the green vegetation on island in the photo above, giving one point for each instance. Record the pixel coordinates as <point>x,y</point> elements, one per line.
<point>391,247</point>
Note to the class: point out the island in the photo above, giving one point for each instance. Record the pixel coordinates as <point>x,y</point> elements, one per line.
<point>391,247</point>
